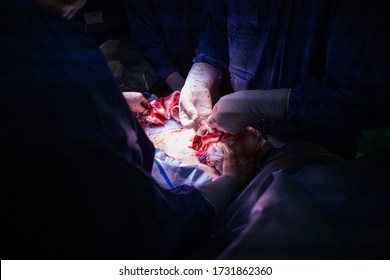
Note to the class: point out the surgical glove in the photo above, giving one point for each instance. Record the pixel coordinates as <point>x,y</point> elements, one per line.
<point>116,68</point>
<point>195,104</point>
<point>136,101</point>
<point>235,111</point>
<point>230,166</point>
<point>175,81</point>
<point>220,191</point>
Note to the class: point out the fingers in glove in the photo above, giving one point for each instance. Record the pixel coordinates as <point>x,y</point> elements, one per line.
<point>229,160</point>
<point>209,129</point>
<point>228,124</point>
<point>145,104</point>
<point>200,130</point>
<point>188,114</point>
<point>136,101</point>
<point>185,120</point>
<point>212,124</point>
<point>228,116</point>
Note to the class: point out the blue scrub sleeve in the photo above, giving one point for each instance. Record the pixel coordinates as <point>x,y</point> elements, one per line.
<point>136,218</point>
<point>337,71</point>
<point>77,181</point>
<point>353,93</point>
<point>213,45</point>
<point>146,30</point>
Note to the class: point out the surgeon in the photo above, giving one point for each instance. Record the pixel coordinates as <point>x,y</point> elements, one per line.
<point>167,33</point>
<point>76,178</point>
<point>311,70</point>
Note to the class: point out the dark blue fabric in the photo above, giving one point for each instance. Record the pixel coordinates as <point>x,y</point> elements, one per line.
<point>332,53</point>
<point>354,196</point>
<point>167,32</point>
<point>306,203</point>
<point>232,221</point>
<point>333,211</point>
<point>76,184</point>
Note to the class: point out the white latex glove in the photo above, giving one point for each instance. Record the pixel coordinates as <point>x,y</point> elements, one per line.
<point>175,81</point>
<point>66,9</point>
<point>230,166</point>
<point>136,101</point>
<point>195,104</point>
<point>116,68</point>
<point>220,191</point>
<point>235,111</point>
<point>109,48</point>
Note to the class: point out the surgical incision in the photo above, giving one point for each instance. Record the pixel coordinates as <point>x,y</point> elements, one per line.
<point>183,145</point>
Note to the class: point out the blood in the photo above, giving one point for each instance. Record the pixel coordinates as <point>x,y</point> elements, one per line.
<point>246,146</point>
<point>161,110</point>
<point>171,105</point>
<point>202,143</point>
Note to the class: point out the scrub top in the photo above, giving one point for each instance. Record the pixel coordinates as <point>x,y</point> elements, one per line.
<point>333,54</point>
<point>167,32</point>
<point>76,182</point>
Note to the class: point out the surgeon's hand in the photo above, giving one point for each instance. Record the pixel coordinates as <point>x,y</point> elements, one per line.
<point>234,175</point>
<point>235,111</point>
<point>195,107</point>
<point>136,101</point>
<point>195,104</point>
<point>234,166</point>
<point>230,165</point>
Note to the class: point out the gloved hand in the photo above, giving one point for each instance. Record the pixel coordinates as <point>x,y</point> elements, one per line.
<point>235,111</point>
<point>195,104</point>
<point>234,175</point>
<point>116,68</point>
<point>136,101</point>
<point>175,81</point>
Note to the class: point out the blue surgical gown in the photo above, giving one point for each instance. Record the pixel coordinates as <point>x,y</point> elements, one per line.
<point>332,53</point>
<point>167,32</point>
<point>76,178</point>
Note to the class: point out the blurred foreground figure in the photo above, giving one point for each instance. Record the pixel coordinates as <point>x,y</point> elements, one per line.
<point>76,183</point>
